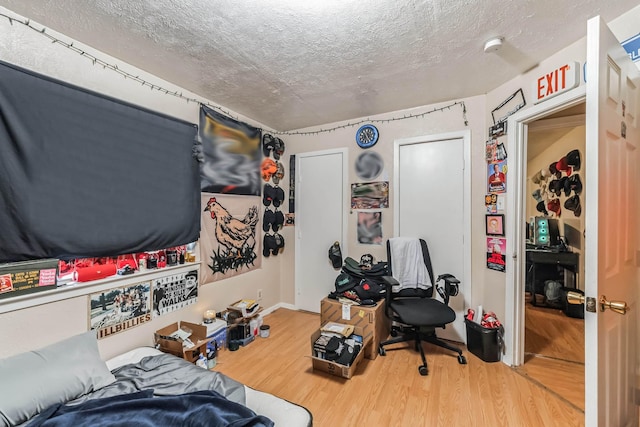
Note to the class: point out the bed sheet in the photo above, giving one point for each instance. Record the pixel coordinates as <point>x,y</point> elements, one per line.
<point>146,367</point>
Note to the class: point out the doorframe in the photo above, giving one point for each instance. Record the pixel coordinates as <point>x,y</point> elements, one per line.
<point>517,126</point>
<point>465,135</point>
<point>345,209</point>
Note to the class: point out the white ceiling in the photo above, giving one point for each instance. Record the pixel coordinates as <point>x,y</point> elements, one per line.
<point>290,64</point>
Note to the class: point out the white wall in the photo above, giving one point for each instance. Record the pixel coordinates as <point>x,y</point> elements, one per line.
<point>437,122</point>
<point>37,326</point>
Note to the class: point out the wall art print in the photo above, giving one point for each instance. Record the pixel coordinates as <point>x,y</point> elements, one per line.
<point>229,240</point>
<point>370,195</point>
<point>231,152</point>
<point>118,309</point>
<point>496,258</point>
<point>370,228</point>
<point>175,291</point>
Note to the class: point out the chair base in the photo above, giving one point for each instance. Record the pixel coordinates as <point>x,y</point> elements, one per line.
<point>418,336</point>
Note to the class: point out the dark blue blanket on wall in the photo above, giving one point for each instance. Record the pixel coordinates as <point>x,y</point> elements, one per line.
<point>85,175</point>
<point>201,408</point>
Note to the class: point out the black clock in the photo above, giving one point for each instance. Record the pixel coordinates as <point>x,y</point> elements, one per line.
<point>366,136</point>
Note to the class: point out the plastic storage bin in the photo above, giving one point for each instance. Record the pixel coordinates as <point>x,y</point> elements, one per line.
<point>486,343</point>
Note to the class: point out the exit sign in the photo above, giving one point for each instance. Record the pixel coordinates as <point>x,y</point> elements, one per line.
<point>555,82</point>
<point>632,46</point>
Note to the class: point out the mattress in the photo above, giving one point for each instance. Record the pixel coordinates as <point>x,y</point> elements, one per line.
<point>149,367</point>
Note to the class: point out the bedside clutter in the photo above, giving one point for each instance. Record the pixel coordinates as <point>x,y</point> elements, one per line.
<point>375,325</point>
<point>337,348</point>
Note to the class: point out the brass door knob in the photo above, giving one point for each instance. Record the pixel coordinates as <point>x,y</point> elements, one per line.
<point>619,307</point>
<point>575,298</point>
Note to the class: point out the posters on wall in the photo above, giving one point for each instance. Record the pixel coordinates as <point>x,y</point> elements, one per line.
<point>497,177</point>
<point>174,292</point>
<point>370,195</point>
<point>496,157</point>
<point>229,239</point>
<point>232,154</point>
<point>119,309</point>
<point>369,228</point>
<point>496,259</point>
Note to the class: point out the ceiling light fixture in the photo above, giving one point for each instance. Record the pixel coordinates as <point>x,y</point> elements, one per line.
<point>493,45</point>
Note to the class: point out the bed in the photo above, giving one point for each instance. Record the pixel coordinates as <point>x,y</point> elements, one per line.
<point>68,384</point>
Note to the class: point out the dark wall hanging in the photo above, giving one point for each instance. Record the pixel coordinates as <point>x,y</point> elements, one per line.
<point>84,175</point>
<point>232,155</point>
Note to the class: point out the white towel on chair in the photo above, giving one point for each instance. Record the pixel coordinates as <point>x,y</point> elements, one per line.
<point>407,264</point>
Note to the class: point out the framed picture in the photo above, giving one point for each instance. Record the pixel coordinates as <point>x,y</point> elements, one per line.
<point>494,224</point>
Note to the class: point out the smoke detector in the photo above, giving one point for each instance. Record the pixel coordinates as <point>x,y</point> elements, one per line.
<point>493,45</point>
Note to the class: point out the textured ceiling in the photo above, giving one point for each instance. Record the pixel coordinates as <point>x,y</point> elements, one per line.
<point>290,64</point>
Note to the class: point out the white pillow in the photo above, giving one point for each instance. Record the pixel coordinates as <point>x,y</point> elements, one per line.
<point>33,381</point>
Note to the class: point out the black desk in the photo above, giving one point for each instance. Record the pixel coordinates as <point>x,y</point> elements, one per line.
<point>545,265</point>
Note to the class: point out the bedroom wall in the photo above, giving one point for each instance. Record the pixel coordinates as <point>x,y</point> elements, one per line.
<point>437,122</point>
<point>33,327</point>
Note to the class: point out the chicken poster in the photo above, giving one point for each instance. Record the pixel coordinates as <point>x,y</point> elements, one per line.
<point>232,154</point>
<point>229,244</point>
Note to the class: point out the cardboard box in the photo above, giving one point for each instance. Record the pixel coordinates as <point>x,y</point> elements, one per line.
<point>25,277</point>
<point>373,321</point>
<point>169,345</point>
<point>334,368</point>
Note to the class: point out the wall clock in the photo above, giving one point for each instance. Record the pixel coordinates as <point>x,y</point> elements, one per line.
<point>366,136</point>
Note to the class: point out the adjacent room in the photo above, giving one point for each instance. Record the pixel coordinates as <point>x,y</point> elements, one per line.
<point>327,213</point>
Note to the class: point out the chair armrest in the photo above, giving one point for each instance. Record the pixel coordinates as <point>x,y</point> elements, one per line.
<point>450,287</point>
<point>389,282</point>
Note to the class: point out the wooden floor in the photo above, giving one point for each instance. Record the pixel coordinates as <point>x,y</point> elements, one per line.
<point>389,391</point>
<point>554,352</point>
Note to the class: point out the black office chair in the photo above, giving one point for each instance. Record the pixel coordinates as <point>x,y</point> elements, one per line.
<point>411,305</point>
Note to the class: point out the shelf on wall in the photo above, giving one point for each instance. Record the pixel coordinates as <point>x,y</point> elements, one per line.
<point>76,289</point>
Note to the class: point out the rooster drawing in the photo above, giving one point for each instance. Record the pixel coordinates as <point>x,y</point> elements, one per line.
<point>234,234</point>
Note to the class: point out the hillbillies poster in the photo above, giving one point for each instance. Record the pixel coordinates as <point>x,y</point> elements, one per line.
<point>118,309</point>
<point>496,248</point>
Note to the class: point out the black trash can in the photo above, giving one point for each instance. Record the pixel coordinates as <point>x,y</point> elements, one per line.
<point>486,343</point>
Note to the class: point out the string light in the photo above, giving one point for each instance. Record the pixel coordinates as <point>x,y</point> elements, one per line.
<point>105,65</point>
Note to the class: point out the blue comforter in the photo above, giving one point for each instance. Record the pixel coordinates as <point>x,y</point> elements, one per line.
<point>200,408</point>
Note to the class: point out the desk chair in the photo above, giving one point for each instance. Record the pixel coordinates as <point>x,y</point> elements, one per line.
<point>409,298</point>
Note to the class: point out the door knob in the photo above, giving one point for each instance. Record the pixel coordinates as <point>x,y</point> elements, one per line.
<point>575,298</point>
<point>619,307</point>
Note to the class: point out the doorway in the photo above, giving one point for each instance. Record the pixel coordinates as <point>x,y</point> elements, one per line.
<point>321,211</point>
<point>554,245</point>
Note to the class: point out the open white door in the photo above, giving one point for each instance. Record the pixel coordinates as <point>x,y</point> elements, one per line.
<point>611,221</point>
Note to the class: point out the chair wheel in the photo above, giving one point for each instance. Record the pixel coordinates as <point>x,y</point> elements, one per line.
<point>423,370</point>
<point>462,360</point>
<point>394,333</point>
<point>381,351</point>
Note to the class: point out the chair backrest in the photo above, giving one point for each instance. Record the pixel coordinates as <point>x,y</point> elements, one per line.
<point>426,258</point>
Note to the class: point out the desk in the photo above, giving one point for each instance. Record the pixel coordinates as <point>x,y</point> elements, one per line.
<point>545,265</point>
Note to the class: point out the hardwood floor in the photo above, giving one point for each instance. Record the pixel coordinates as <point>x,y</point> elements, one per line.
<point>389,391</point>
<point>554,352</point>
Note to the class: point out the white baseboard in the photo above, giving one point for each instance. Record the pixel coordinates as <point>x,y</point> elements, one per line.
<point>277,306</point>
